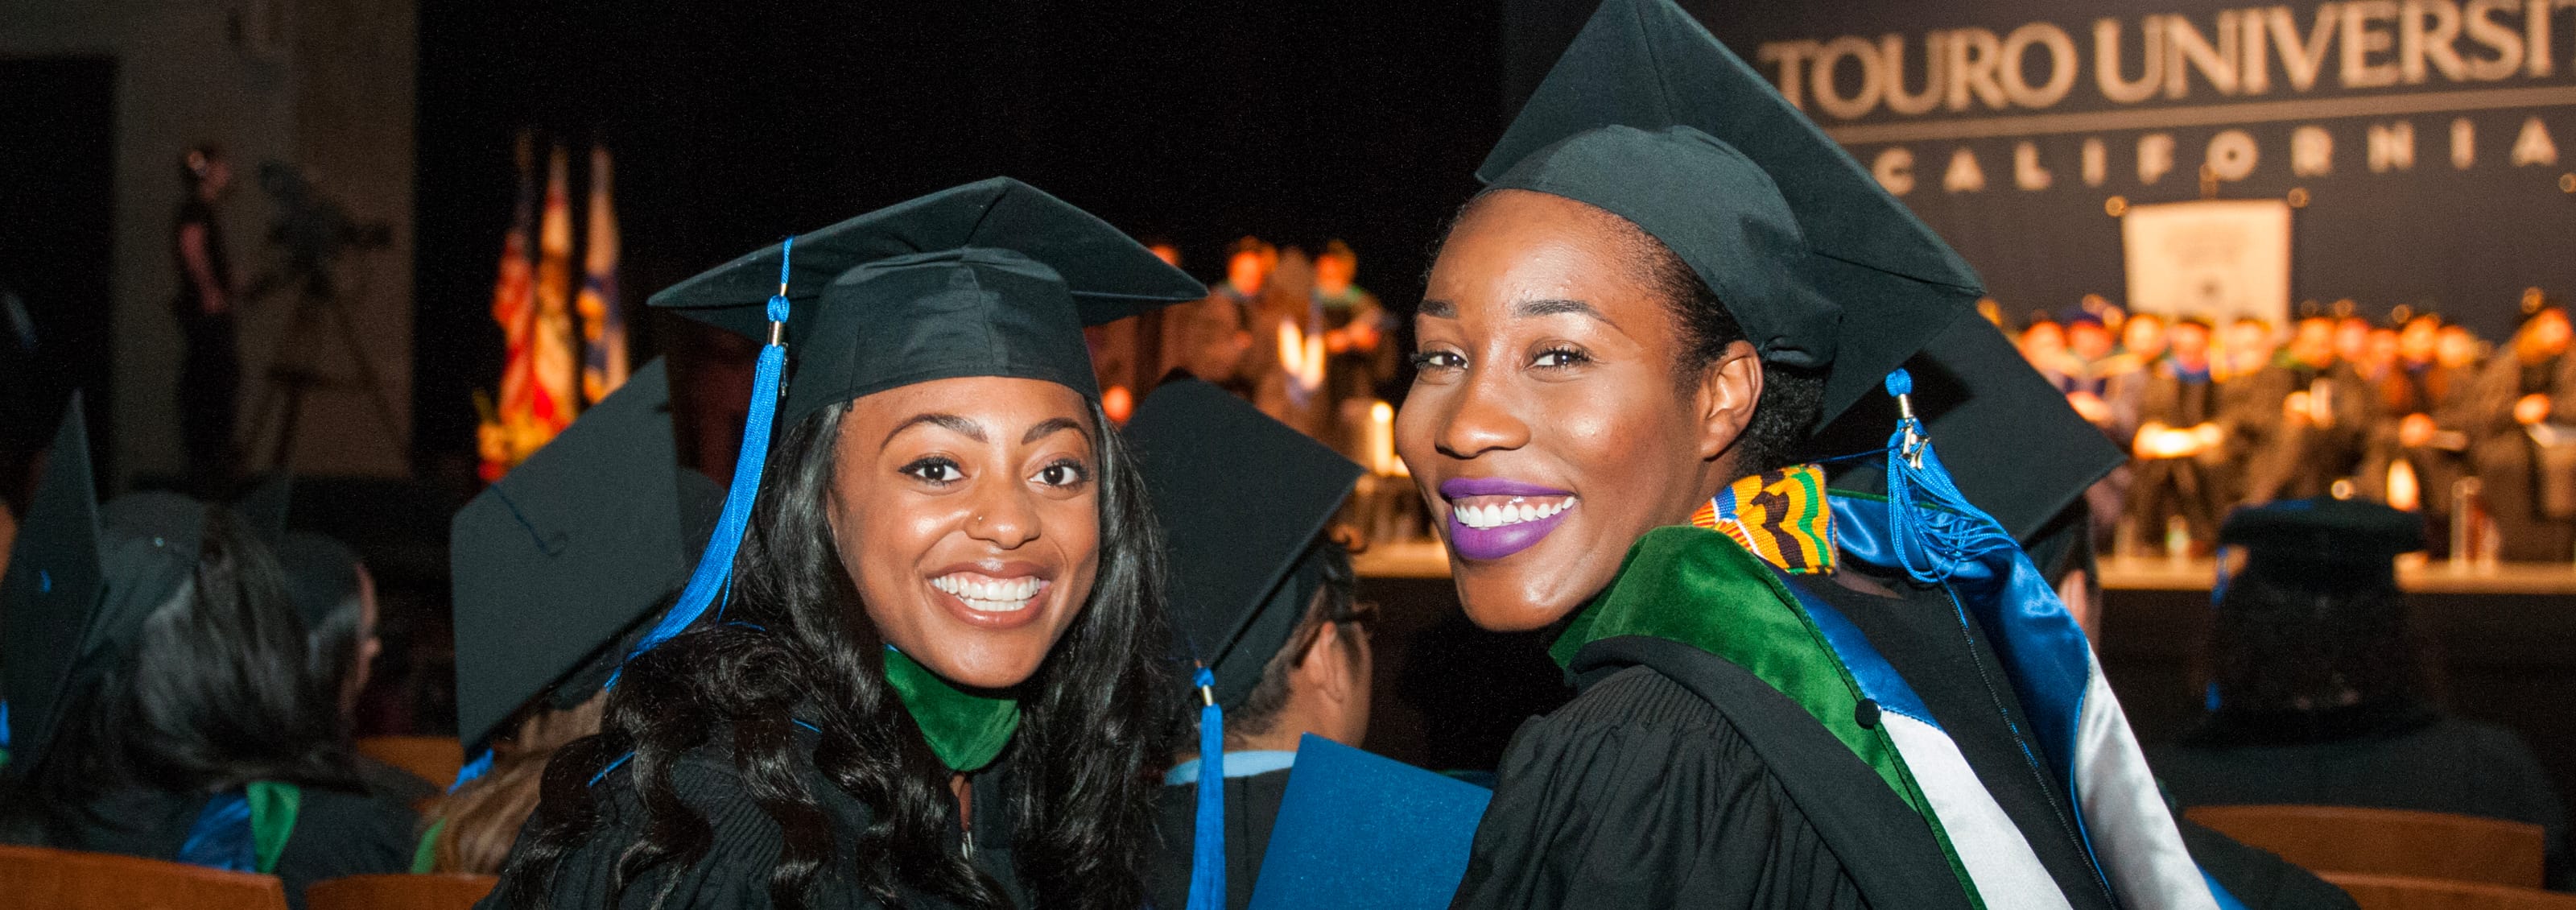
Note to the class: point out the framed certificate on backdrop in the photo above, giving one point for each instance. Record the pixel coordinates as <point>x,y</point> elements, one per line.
<point>2220,260</point>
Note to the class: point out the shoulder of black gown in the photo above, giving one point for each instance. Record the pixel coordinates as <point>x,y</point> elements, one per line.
<point>1679,779</point>
<point>744,848</point>
<point>1251,808</point>
<point>341,833</point>
<point>2256,877</point>
<point>392,783</point>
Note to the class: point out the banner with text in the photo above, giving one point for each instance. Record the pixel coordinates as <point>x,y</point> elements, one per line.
<point>2418,142</point>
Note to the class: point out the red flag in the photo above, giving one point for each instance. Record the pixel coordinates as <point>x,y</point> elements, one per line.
<point>551,344</point>
<point>603,324</point>
<point>514,307</point>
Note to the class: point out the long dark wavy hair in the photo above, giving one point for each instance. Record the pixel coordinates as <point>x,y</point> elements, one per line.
<point>795,644</point>
<point>210,694</point>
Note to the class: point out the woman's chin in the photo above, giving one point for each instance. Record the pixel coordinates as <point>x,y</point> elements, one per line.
<point>1506,605</point>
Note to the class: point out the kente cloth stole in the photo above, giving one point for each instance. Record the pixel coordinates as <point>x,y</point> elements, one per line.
<point>1780,515</point>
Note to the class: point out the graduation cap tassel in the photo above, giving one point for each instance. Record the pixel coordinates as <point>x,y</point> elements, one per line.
<point>1927,515</point>
<point>477,768</point>
<point>1207,855</point>
<point>714,576</point>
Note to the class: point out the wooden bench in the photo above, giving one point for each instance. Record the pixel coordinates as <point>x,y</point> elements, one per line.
<point>2398,892</point>
<point>399,892</point>
<point>72,880</point>
<point>431,758</point>
<point>2427,845</point>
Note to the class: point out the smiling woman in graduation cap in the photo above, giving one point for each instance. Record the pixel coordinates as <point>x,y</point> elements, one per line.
<point>1792,696</point>
<point>922,660</point>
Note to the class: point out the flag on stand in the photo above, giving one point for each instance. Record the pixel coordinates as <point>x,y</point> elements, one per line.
<point>603,324</point>
<point>551,347</point>
<point>514,306</point>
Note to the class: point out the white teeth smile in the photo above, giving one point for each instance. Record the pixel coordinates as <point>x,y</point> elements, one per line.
<point>1509,513</point>
<point>991,596</point>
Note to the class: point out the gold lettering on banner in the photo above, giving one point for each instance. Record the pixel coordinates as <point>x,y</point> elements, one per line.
<point>2420,43</point>
<point>2533,146</point>
<point>2464,143</point>
<point>2097,162</point>
<point>2535,29</point>
<point>1827,88</point>
<point>2232,155</point>
<point>1964,176</point>
<point>2027,173</point>
<point>2155,157</point>
<point>2391,146</point>
<point>2478,20</point>
<point>1974,54</point>
<point>2062,65</point>
<point>2311,151</point>
<point>2302,60</point>
<point>2360,40</point>
<point>1791,57</point>
<point>2186,49</point>
<point>1891,50</point>
<point>1894,169</point>
<point>2151,60</point>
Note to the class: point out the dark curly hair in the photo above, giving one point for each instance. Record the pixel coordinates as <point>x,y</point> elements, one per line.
<point>795,639</point>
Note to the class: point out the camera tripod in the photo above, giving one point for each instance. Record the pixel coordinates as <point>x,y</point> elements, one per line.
<point>320,322</point>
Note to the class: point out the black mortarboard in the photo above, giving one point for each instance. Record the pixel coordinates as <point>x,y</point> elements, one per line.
<point>564,554</point>
<point>993,278</point>
<point>321,574</point>
<point>1241,497</point>
<point>52,584</point>
<point>2323,542</point>
<point>263,507</point>
<point>1648,117</point>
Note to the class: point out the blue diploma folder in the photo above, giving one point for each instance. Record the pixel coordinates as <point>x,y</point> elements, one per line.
<point>1358,830</point>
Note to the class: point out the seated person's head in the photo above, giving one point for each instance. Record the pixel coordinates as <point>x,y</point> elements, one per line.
<point>336,596</point>
<point>1319,682</point>
<point>2315,621</point>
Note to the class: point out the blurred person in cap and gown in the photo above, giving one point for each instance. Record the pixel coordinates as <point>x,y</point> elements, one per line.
<point>1215,338</point>
<point>2181,443</point>
<point>161,705</point>
<point>923,660</point>
<point>2520,442</point>
<point>2248,347</point>
<point>2320,693</point>
<point>1359,341</point>
<point>206,306</point>
<point>1265,599</point>
<point>2309,418</point>
<point>336,596</point>
<point>2421,397</point>
<point>1626,340</point>
<point>557,567</point>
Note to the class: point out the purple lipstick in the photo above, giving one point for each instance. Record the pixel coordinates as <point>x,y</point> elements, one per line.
<point>1502,526</point>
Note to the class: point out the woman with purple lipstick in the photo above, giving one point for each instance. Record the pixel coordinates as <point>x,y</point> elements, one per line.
<point>1789,696</point>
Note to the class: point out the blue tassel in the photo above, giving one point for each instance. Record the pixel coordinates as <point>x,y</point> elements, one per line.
<point>221,837</point>
<point>1935,526</point>
<point>481,765</point>
<point>713,580</point>
<point>1207,856</point>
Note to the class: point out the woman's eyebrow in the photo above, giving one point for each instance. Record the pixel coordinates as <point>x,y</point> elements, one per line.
<point>1057,425</point>
<point>950,422</point>
<point>1437,309</point>
<point>1557,307</point>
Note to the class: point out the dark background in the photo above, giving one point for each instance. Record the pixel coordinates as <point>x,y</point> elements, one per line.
<point>734,124</point>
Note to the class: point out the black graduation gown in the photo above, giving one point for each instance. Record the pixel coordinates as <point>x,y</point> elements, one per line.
<point>1251,807</point>
<point>393,784</point>
<point>2387,758</point>
<point>335,833</point>
<point>735,871</point>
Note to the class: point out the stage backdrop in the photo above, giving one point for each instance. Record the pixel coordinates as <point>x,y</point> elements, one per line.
<point>2429,145</point>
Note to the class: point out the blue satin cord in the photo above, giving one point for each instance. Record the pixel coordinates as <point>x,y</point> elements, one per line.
<point>2218,892</point>
<point>1929,518</point>
<point>481,765</point>
<point>713,579</point>
<point>221,837</point>
<point>4,725</point>
<point>1207,855</point>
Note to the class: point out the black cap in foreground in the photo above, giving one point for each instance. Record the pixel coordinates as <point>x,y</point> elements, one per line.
<point>569,551</point>
<point>2323,543</point>
<point>52,584</point>
<point>993,278</point>
<point>1242,499</point>
<point>1648,117</point>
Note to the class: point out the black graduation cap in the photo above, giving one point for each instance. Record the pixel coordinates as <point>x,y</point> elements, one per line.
<point>563,555</point>
<point>263,507</point>
<point>321,574</point>
<point>993,278</point>
<point>2323,543</point>
<point>1241,497</point>
<point>49,590</point>
<point>1648,117</point>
